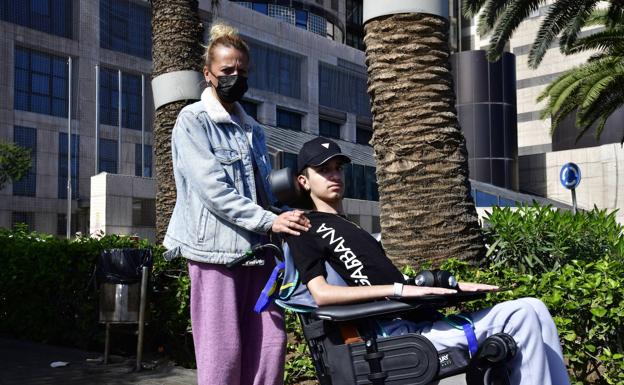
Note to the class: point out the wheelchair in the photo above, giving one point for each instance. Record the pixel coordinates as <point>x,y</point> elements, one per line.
<point>344,342</point>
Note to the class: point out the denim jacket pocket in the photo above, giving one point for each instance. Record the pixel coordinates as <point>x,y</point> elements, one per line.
<point>205,224</point>
<point>230,160</point>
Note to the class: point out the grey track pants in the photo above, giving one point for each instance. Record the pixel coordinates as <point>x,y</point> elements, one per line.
<point>539,360</point>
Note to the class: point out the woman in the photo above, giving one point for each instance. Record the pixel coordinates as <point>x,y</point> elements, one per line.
<point>221,167</point>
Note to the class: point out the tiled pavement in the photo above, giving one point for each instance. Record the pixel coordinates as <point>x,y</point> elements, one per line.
<point>28,363</point>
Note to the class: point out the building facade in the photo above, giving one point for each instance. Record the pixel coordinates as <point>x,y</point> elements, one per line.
<point>305,81</point>
<point>540,154</point>
<point>308,78</point>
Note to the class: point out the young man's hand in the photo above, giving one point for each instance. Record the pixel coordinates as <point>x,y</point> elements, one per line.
<point>291,222</point>
<point>470,286</point>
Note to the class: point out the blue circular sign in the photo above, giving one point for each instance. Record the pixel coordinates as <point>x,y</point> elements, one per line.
<point>570,176</point>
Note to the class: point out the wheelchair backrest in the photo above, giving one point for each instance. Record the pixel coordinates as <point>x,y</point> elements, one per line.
<point>291,293</point>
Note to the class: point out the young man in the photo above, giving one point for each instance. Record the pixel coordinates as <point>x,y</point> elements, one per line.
<point>361,261</point>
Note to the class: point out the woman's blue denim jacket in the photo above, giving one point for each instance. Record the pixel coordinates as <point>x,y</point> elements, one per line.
<point>216,218</point>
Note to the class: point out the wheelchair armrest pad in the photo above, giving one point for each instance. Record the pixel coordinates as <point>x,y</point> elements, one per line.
<point>390,306</point>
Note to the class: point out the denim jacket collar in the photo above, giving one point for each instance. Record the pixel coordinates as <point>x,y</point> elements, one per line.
<point>217,113</point>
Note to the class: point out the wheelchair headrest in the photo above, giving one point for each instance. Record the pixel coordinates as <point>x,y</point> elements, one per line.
<point>286,189</point>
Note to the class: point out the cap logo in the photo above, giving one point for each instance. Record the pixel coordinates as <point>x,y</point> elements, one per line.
<point>326,145</point>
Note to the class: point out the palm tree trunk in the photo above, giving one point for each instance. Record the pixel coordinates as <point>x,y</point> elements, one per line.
<point>427,213</point>
<point>177,37</point>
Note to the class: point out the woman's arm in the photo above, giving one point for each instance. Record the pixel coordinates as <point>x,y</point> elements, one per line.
<point>205,173</point>
<point>326,294</point>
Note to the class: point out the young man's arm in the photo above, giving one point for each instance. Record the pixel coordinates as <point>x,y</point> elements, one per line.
<point>327,294</point>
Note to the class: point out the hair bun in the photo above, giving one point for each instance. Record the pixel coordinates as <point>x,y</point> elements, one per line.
<point>220,30</point>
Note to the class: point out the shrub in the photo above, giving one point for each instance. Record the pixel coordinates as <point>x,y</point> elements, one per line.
<point>535,239</point>
<point>47,293</point>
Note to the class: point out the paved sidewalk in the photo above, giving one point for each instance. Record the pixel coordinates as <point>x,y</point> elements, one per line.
<point>28,363</point>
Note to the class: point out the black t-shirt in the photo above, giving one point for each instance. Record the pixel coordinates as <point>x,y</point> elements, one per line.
<point>355,255</point>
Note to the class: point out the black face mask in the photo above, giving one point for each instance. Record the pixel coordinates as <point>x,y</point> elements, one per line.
<point>231,88</point>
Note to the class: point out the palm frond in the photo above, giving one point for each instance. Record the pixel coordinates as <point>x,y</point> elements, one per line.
<point>471,7</point>
<point>599,114</point>
<point>611,39</point>
<point>598,17</point>
<point>508,21</point>
<point>490,13</point>
<point>559,16</point>
<point>564,98</point>
<point>572,29</point>
<point>592,90</point>
<point>615,14</point>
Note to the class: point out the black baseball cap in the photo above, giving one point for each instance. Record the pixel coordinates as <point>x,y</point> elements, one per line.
<point>318,151</point>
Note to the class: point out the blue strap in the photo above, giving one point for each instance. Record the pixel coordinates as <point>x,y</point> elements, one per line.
<point>269,289</point>
<point>467,326</point>
<point>473,345</point>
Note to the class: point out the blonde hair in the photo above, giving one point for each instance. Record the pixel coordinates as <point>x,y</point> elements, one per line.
<point>226,35</point>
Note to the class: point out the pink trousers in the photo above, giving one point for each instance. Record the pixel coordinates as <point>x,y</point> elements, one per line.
<point>233,344</point>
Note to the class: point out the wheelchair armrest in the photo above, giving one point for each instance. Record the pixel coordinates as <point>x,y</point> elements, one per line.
<point>355,311</point>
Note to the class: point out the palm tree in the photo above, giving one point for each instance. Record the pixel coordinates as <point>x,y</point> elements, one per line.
<point>177,37</point>
<point>427,213</point>
<point>564,19</point>
<point>593,90</point>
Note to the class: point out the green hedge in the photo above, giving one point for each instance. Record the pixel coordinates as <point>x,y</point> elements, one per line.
<point>574,263</point>
<point>47,293</point>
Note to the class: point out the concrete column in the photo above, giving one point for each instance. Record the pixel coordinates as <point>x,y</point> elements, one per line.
<point>348,130</point>
<point>267,114</point>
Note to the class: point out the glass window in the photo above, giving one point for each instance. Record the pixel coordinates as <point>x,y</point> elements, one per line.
<point>376,225</point>
<point>282,13</point>
<point>40,82</point>
<point>147,167</point>
<point>250,108</point>
<point>330,31</point>
<point>504,202</point>
<point>372,193</point>
<point>50,16</point>
<point>348,180</point>
<point>301,19</point>
<point>483,199</point>
<point>144,212</point>
<point>354,29</point>
<point>61,224</point>
<point>130,101</point>
<point>23,217</point>
<point>343,89</point>
<point>62,165</point>
<point>125,26</point>
<point>26,137</point>
<point>289,160</point>
<point>262,8</point>
<point>318,25</point>
<point>108,96</point>
<point>363,135</point>
<point>329,129</point>
<point>288,119</point>
<point>275,71</point>
<point>359,181</point>
<point>108,156</point>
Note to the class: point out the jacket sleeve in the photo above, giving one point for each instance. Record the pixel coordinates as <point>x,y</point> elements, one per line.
<point>207,177</point>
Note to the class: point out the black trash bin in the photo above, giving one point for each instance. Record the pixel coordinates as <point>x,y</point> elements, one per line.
<point>119,273</point>
<point>122,276</point>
